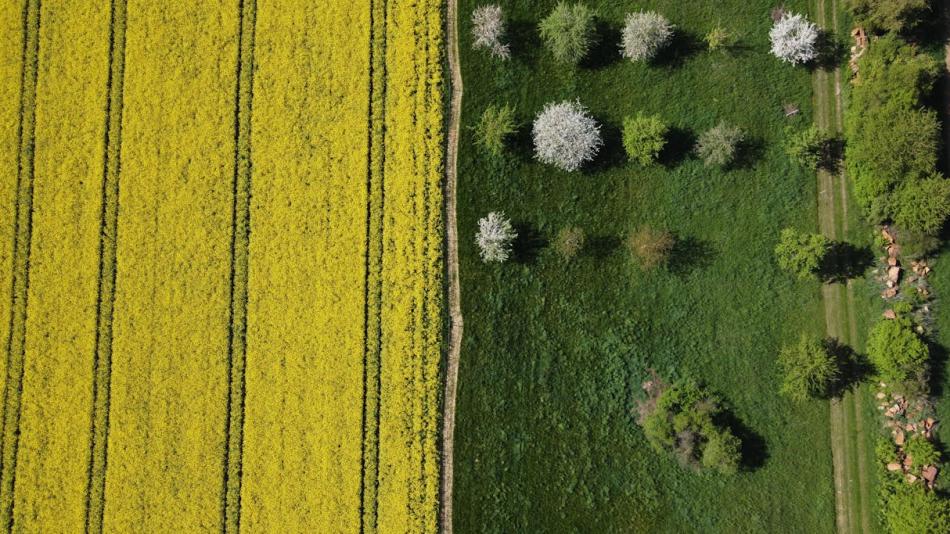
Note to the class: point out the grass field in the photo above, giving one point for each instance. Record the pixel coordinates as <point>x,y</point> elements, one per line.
<point>554,353</point>
<point>223,265</point>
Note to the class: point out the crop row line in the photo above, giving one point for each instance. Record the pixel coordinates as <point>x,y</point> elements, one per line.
<point>102,371</point>
<point>240,244</point>
<point>16,341</point>
<point>372,321</point>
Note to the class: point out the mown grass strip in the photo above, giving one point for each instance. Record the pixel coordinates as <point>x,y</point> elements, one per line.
<point>102,374</point>
<point>16,340</point>
<point>376,160</point>
<point>241,220</point>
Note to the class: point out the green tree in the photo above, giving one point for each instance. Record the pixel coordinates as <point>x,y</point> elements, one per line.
<point>810,147</point>
<point>890,15</point>
<point>568,32</point>
<point>494,127</point>
<point>719,145</point>
<point>801,253</point>
<point>722,452</point>
<point>644,137</point>
<point>912,509</point>
<point>922,206</point>
<point>896,351</point>
<point>809,369</point>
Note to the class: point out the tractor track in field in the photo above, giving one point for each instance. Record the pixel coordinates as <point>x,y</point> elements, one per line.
<point>108,236</point>
<point>852,494</point>
<point>452,267</point>
<point>372,321</point>
<point>19,289</point>
<point>240,249</point>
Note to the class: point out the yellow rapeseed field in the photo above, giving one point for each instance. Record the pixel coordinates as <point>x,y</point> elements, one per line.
<point>302,427</point>
<point>51,471</point>
<point>231,255</point>
<point>169,355</point>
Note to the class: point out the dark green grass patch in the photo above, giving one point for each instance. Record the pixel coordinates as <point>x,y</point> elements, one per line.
<point>554,353</point>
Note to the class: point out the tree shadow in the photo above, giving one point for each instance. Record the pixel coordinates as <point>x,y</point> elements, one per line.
<point>611,153</point>
<point>748,152</point>
<point>521,143</point>
<point>832,52</point>
<point>689,254</point>
<point>753,449</point>
<point>679,145</point>
<point>606,50</point>
<point>528,245</point>
<point>525,41</point>
<point>844,261</point>
<point>832,155</point>
<point>600,247</point>
<point>938,369</point>
<point>855,368</point>
<point>682,46</point>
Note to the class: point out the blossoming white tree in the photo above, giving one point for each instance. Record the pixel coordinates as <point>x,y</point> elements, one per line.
<point>644,34</point>
<point>794,39</point>
<point>494,238</point>
<point>488,30</point>
<point>566,136</point>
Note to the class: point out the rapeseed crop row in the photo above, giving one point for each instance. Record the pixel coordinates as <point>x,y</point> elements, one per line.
<point>412,270</point>
<point>303,392</point>
<point>51,467</point>
<point>168,390</point>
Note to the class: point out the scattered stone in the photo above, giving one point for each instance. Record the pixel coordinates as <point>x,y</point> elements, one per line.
<point>888,236</point>
<point>929,473</point>
<point>893,466</point>
<point>892,262</point>
<point>888,314</point>
<point>899,438</point>
<point>908,461</point>
<point>889,293</point>
<point>911,478</point>
<point>880,395</point>
<point>894,274</point>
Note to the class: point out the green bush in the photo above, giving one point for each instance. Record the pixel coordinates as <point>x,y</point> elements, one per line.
<point>801,253</point>
<point>912,509</point>
<point>719,38</point>
<point>810,147</point>
<point>568,32</point>
<point>921,452</point>
<point>494,127</point>
<point>890,15</point>
<point>644,137</point>
<point>651,248</point>
<point>809,369</point>
<point>922,206</point>
<point>896,351</point>
<point>569,242</point>
<point>684,422</point>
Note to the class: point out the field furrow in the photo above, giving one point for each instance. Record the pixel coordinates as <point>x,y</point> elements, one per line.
<point>412,270</point>
<point>11,57</point>
<point>302,428</point>
<point>52,464</point>
<point>16,336</point>
<point>169,368</point>
<point>240,235</point>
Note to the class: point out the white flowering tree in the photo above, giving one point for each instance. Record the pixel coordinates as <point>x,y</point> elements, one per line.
<point>488,31</point>
<point>645,34</point>
<point>794,39</point>
<point>566,136</point>
<point>494,238</point>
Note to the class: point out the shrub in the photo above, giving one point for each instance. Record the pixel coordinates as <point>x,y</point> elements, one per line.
<point>650,247</point>
<point>921,452</point>
<point>684,421</point>
<point>719,38</point>
<point>923,206</point>
<point>801,253</point>
<point>494,238</point>
<point>896,351</point>
<point>496,124</point>
<point>569,242</point>
<point>644,34</point>
<point>566,136</point>
<point>794,39</point>
<point>644,136</point>
<point>890,15</point>
<point>810,147</point>
<point>809,369</point>
<point>568,32</point>
<point>488,31</point>
<point>719,145</point>
<point>912,509</point>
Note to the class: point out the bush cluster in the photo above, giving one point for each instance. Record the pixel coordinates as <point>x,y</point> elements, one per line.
<point>685,422</point>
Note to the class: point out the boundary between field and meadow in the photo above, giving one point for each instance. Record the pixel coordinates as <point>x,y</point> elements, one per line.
<point>238,287</point>
<point>19,290</point>
<point>852,495</point>
<point>452,265</point>
<point>108,236</point>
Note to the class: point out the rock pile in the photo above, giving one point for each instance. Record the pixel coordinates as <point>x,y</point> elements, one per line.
<point>906,418</point>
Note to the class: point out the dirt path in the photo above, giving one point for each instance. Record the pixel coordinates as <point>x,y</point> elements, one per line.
<point>853,501</point>
<point>452,264</point>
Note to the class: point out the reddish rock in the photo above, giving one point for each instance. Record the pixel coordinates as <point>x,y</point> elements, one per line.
<point>893,466</point>
<point>894,274</point>
<point>908,461</point>
<point>899,437</point>
<point>889,314</point>
<point>892,262</point>
<point>929,473</point>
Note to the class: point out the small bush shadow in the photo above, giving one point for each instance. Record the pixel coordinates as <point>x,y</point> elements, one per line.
<point>521,144</point>
<point>679,145</point>
<point>600,247</point>
<point>832,52</point>
<point>525,41</point>
<point>854,367</point>
<point>845,261</point>
<point>749,151</point>
<point>528,245</point>
<point>611,153</point>
<point>689,254</point>
<point>605,51</point>
<point>681,47</point>
<point>753,449</point>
